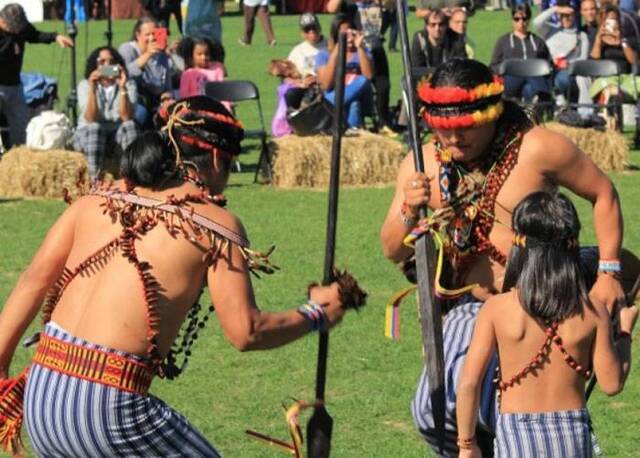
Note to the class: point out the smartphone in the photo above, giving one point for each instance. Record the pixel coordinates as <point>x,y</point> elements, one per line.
<point>610,25</point>
<point>160,34</point>
<point>109,71</point>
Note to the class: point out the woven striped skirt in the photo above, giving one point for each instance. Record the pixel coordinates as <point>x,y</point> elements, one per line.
<point>67,416</point>
<point>457,330</point>
<point>564,434</point>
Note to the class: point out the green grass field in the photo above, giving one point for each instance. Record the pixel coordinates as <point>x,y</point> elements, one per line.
<point>371,380</point>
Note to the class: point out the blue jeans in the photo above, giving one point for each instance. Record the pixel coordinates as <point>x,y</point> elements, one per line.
<point>358,100</point>
<point>526,88</point>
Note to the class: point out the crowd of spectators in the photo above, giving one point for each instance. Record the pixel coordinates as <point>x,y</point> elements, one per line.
<point>121,90</point>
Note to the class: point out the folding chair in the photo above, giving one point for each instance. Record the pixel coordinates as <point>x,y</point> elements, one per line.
<point>531,68</point>
<point>238,91</point>
<point>598,69</point>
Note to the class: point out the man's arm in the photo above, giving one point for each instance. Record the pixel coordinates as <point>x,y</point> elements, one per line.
<point>412,188</point>
<point>564,164</point>
<point>497,56</point>
<point>24,302</point>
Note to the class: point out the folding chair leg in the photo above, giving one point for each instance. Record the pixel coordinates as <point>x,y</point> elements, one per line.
<point>264,161</point>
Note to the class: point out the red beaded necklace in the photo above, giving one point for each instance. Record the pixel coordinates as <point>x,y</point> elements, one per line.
<point>539,359</point>
<point>471,225</point>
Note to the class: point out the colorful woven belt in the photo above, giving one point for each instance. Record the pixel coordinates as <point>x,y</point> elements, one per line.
<point>97,366</point>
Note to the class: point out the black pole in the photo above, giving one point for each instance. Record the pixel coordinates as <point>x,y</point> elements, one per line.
<point>72,98</point>
<point>430,313</point>
<point>109,33</point>
<point>320,424</point>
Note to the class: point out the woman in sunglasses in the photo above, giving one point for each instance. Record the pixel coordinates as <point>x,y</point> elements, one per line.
<point>521,44</point>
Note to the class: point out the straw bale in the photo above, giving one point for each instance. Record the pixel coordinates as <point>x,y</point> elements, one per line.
<point>32,173</point>
<point>366,160</point>
<point>608,149</point>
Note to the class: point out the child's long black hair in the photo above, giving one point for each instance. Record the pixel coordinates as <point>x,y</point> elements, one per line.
<point>544,263</point>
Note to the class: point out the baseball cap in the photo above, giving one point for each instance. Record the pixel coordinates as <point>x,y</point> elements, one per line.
<point>14,18</point>
<point>309,20</point>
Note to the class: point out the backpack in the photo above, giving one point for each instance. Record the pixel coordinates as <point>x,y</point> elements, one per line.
<point>49,130</point>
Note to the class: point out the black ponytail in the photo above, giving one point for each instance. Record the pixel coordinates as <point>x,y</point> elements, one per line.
<point>148,161</point>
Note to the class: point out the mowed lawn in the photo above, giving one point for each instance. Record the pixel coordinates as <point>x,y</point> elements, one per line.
<point>371,381</point>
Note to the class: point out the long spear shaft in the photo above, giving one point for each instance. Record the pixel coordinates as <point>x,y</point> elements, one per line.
<point>320,424</point>
<point>430,313</point>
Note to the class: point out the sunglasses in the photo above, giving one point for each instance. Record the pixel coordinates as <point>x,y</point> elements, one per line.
<point>310,29</point>
<point>436,24</point>
<point>520,19</point>
<point>105,61</point>
<point>567,16</point>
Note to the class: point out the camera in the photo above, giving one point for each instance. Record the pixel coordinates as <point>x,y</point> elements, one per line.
<point>610,25</point>
<point>109,71</point>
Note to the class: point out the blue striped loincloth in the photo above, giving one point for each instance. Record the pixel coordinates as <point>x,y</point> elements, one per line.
<point>67,416</point>
<point>564,434</point>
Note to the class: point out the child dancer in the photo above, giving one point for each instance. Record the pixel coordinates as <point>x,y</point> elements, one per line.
<point>204,62</point>
<point>549,337</point>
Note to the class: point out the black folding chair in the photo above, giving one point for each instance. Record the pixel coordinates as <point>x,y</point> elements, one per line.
<point>531,68</point>
<point>600,68</point>
<point>238,91</point>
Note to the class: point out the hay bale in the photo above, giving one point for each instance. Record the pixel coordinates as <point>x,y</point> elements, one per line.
<point>31,173</point>
<point>366,160</point>
<point>608,149</point>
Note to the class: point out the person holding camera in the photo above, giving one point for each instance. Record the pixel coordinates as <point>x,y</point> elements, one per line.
<point>358,93</point>
<point>15,31</point>
<point>106,98</point>
<point>612,45</point>
<point>149,66</point>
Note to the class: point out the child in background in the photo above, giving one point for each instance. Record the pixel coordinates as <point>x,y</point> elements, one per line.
<point>204,62</point>
<point>545,314</point>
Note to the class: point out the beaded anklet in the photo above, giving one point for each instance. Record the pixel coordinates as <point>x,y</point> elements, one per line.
<point>315,314</point>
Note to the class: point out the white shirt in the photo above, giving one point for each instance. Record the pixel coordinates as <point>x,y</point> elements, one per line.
<point>304,56</point>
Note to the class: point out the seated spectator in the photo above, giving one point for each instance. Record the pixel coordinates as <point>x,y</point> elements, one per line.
<point>105,98</point>
<point>555,18</point>
<point>589,13</point>
<point>358,95</point>
<point>15,31</point>
<point>610,44</point>
<point>565,42</point>
<point>436,43</point>
<point>458,20</point>
<point>303,57</point>
<point>148,65</point>
<point>629,24</point>
<point>521,44</point>
<point>204,62</point>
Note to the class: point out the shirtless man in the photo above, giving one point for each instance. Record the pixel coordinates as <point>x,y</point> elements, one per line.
<point>121,271</point>
<point>484,158</point>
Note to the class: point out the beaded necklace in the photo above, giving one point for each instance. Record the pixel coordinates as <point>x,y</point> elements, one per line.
<point>539,359</point>
<point>138,216</point>
<point>468,212</point>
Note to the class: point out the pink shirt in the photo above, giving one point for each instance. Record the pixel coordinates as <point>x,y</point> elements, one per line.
<point>193,80</point>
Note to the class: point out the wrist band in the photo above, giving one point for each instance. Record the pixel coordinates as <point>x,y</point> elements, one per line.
<point>466,444</point>
<point>625,334</point>
<point>315,314</point>
<point>613,266</point>
<point>407,219</point>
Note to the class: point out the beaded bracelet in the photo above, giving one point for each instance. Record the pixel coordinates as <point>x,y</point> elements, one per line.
<point>609,266</point>
<point>466,444</point>
<point>315,314</point>
<point>407,218</point>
